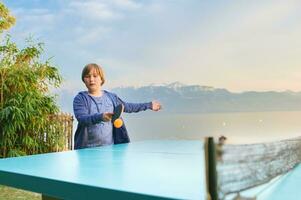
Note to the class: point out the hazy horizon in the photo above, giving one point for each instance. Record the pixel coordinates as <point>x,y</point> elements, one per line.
<point>74,90</point>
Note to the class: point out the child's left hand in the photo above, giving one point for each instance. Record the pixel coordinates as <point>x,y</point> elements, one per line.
<point>156,106</point>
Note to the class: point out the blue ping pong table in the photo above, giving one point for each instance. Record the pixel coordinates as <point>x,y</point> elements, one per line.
<point>165,169</point>
<point>287,187</point>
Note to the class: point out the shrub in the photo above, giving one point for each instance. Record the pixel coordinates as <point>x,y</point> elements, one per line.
<point>26,103</point>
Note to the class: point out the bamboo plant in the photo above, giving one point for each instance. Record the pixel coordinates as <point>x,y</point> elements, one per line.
<point>26,103</point>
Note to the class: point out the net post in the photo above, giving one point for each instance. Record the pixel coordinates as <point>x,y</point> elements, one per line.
<point>211,173</point>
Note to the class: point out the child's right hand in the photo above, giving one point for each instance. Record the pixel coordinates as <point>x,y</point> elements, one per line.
<point>106,117</point>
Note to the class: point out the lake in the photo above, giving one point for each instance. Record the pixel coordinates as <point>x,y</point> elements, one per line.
<point>241,127</point>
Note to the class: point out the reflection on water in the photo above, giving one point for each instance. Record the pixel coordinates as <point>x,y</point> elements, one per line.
<point>237,127</point>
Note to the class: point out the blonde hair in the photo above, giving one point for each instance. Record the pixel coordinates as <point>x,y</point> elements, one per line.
<point>87,69</point>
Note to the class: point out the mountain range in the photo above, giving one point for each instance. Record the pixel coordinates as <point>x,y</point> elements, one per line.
<point>179,98</point>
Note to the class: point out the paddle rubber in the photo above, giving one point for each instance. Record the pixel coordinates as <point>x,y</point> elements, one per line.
<point>117,112</point>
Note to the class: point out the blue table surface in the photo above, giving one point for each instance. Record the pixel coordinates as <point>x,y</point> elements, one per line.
<point>286,187</point>
<point>283,187</point>
<point>165,168</point>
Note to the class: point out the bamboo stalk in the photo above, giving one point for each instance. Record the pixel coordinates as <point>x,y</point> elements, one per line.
<point>2,89</point>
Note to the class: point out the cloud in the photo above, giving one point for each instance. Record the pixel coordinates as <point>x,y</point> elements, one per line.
<point>93,20</point>
<point>91,35</point>
<point>127,4</point>
<point>93,10</point>
<point>38,19</point>
<point>35,22</point>
<point>155,8</point>
<point>106,10</point>
<point>269,15</point>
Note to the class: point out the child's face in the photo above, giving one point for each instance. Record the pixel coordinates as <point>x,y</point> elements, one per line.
<point>93,81</point>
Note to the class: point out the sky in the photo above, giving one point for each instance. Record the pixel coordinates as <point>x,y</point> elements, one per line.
<point>239,45</point>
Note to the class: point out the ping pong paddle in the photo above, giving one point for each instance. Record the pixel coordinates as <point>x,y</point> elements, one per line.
<point>117,112</point>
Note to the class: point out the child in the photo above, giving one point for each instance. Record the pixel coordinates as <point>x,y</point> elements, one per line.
<point>94,109</point>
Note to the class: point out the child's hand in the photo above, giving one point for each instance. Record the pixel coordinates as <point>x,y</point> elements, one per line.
<point>106,117</point>
<point>156,106</point>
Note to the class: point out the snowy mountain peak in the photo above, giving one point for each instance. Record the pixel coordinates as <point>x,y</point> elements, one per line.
<point>175,85</point>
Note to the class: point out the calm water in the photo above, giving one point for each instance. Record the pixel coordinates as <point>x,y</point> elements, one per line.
<point>237,127</point>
